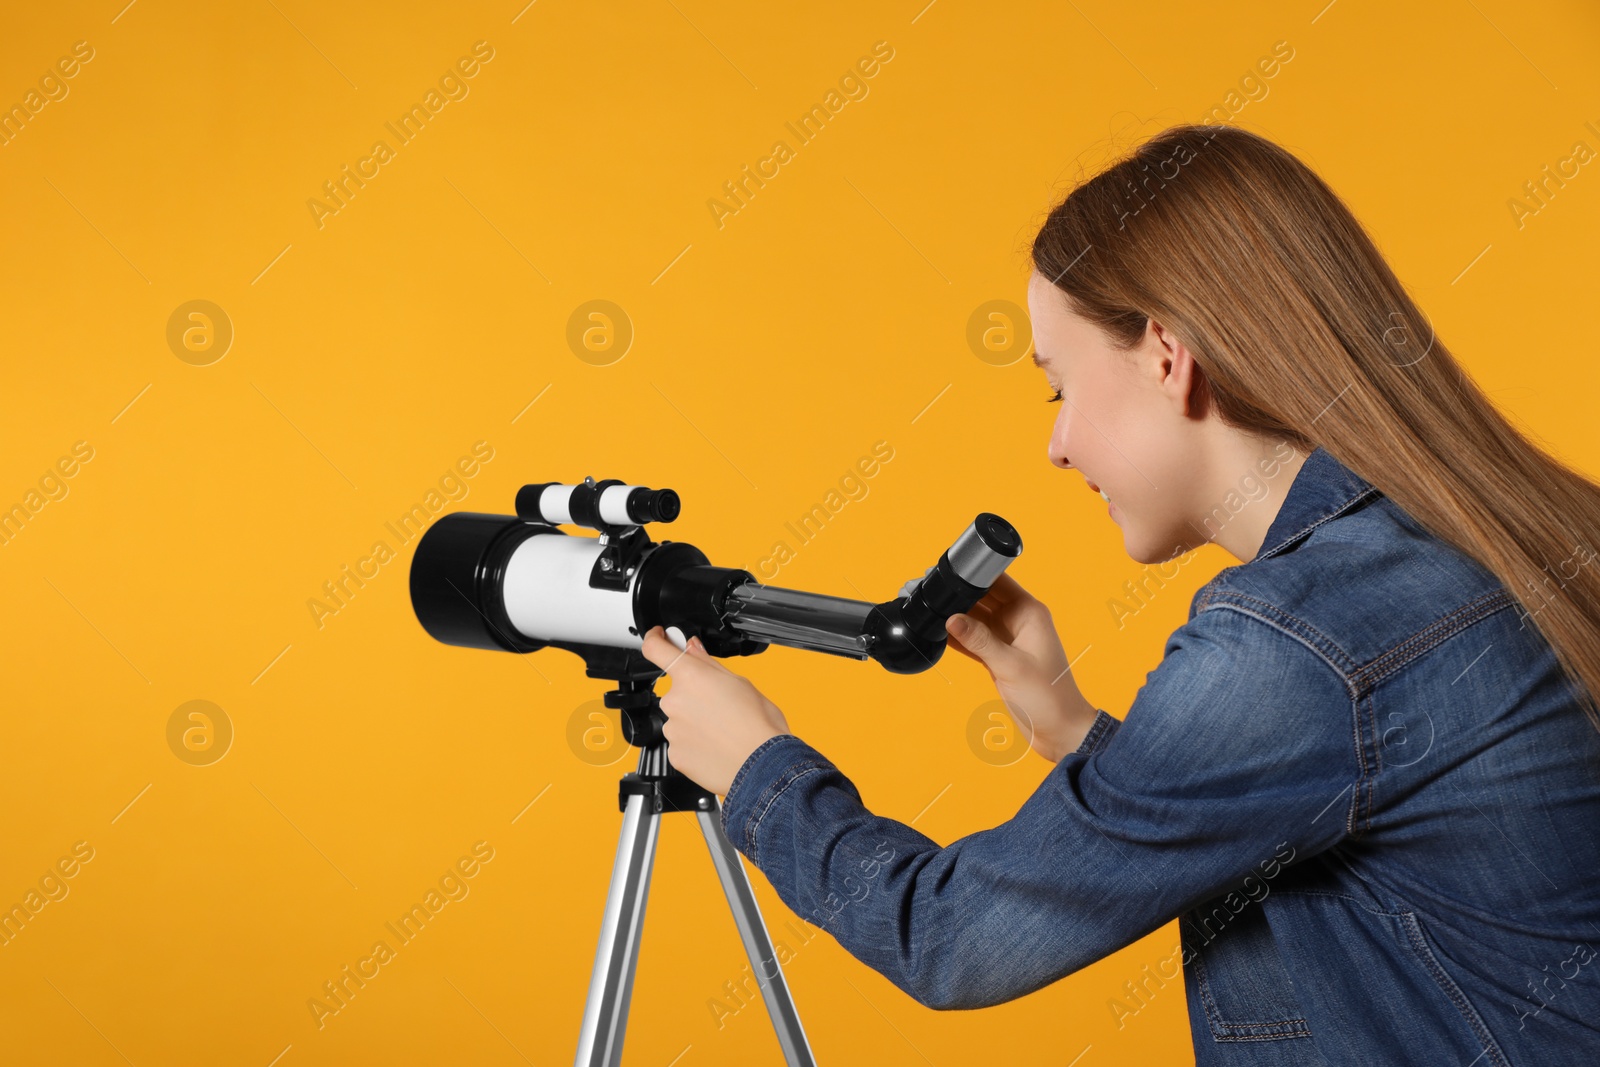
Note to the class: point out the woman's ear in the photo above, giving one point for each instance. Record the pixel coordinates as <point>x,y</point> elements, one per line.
<point>1179,377</point>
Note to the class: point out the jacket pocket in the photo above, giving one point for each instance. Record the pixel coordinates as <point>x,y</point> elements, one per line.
<point>1239,977</point>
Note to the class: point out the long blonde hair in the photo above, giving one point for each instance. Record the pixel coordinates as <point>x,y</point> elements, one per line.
<point>1303,332</point>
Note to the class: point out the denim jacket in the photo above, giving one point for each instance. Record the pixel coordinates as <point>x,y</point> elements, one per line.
<point>1357,778</point>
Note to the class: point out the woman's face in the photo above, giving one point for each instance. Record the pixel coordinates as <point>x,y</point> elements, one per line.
<point>1122,424</point>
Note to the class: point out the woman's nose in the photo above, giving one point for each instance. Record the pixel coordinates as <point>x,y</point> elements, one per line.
<point>1057,448</point>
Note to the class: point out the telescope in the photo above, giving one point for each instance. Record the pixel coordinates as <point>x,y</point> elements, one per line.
<point>518,583</point>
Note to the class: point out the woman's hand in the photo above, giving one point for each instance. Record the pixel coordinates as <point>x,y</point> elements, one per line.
<point>715,718</point>
<point>1011,633</point>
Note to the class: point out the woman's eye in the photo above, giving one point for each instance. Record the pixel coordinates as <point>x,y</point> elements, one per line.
<point>1055,398</point>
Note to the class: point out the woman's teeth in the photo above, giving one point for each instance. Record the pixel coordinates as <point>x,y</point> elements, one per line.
<point>1104,497</point>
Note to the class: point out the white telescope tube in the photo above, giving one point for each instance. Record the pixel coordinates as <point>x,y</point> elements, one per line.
<point>548,596</point>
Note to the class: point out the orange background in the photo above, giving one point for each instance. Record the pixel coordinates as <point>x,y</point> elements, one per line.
<point>768,355</point>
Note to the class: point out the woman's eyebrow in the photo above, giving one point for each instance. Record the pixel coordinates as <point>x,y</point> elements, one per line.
<point>1037,362</point>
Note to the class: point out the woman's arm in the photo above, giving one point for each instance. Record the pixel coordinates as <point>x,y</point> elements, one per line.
<point>1230,764</point>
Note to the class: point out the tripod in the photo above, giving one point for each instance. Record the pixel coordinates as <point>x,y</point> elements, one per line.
<point>643,796</point>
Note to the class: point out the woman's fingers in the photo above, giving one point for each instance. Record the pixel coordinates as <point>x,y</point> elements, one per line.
<point>697,649</point>
<point>1005,589</point>
<point>658,649</point>
<point>991,647</point>
<point>1008,592</point>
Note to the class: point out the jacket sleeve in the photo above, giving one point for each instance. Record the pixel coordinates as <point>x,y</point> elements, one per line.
<point>1237,758</point>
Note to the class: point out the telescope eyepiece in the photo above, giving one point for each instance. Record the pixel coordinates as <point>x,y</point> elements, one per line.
<point>984,550</point>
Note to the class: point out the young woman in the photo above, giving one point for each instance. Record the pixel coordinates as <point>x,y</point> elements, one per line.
<point>1365,776</point>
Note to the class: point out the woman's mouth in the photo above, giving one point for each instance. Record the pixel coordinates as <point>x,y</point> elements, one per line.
<point>1102,493</point>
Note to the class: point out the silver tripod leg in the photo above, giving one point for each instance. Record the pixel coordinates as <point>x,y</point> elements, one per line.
<point>757,945</point>
<point>605,1014</point>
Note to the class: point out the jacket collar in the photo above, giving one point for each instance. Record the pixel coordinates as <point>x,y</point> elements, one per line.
<point>1322,489</point>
